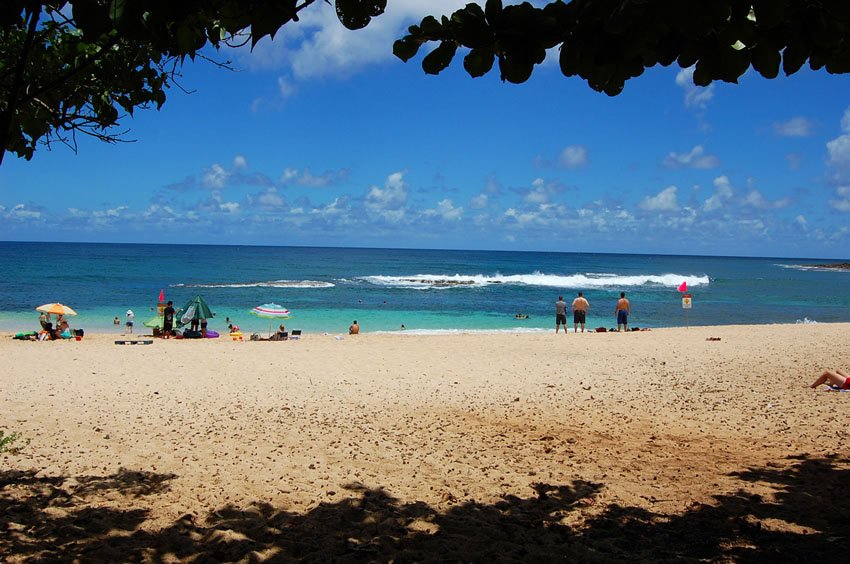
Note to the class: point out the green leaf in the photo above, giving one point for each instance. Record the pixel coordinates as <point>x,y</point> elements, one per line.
<point>516,69</point>
<point>406,48</point>
<point>493,10</point>
<point>439,58</point>
<point>116,11</point>
<point>356,14</point>
<point>765,60</point>
<point>793,58</point>
<point>91,18</point>
<point>479,61</point>
<point>770,13</point>
<point>430,26</point>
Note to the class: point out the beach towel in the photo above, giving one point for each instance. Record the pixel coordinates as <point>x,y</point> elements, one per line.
<point>26,335</point>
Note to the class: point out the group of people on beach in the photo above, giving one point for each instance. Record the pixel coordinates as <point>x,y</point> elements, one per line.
<point>580,306</point>
<point>62,330</point>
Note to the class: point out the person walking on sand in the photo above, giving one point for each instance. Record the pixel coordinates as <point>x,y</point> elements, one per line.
<point>560,314</point>
<point>131,319</point>
<point>580,307</point>
<point>168,320</point>
<point>622,312</point>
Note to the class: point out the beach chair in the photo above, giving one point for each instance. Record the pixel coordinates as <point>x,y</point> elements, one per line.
<point>295,335</point>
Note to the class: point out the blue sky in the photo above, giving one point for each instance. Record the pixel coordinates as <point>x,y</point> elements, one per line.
<point>323,138</point>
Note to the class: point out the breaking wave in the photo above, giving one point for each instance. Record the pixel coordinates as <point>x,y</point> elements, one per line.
<point>840,267</point>
<point>588,280</point>
<point>270,284</point>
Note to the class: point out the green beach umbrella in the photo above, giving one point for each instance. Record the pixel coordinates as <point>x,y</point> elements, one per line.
<point>154,322</point>
<point>193,310</point>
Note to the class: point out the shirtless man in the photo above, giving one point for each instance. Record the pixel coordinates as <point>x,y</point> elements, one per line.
<point>622,312</point>
<point>354,328</point>
<point>580,307</point>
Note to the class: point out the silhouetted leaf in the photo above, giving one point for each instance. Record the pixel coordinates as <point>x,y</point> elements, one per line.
<point>406,48</point>
<point>479,61</point>
<point>765,60</point>
<point>439,58</point>
<point>356,14</point>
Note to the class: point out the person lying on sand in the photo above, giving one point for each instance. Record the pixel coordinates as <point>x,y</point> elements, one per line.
<point>837,378</point>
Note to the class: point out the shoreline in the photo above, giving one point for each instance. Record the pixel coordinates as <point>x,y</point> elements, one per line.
<point>6,333</point>
<point>453,445</point>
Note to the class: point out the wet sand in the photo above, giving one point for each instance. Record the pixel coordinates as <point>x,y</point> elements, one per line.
<point>657,445</point>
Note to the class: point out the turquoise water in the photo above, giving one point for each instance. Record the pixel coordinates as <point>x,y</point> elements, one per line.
<point>426,290</point>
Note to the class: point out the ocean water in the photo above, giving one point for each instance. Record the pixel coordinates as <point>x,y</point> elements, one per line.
<point>424,290</point>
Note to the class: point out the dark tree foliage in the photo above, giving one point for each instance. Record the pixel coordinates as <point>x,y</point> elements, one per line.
<point>77,66</point>
<point>607,42</point>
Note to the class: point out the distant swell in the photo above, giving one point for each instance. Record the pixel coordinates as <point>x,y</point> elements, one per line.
<point>271,284</point>
<point>813,267</point>
<point>589,280</point>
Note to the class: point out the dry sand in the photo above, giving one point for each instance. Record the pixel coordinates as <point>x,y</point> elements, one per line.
<point>657,445</point>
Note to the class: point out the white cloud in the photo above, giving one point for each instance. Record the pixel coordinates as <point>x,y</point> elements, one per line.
<point>573,157</point>
<point>794,127</point>
<point>695,158</point>
<point>795,161</point>
<point>838,152</point>
<point>218,177</point>
<point>541,215</point>
<point>842,203</point>
<point>22,212</point>
<point>664,201</point>
<point>319,45</point>
<point>695,96</point>
<point>845,121</point>
<point>393,196</point>
<point>801,222</point>
<point>308,179</point>
<point>758,201</point>
<point>285,87</point>
<point>337,211</point>
<point>215,177</point>
<point>446,210</point>
<point>540,192</point>
<point>270,199</point>
<point>479,202</point>
<point>722,194</point>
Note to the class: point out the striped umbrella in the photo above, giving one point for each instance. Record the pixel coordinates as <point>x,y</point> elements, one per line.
<point>271,311</point>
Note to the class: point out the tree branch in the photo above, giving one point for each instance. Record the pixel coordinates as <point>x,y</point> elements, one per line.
<point>8,114</point>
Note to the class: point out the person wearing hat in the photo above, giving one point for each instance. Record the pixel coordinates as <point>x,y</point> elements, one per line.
<point>131,317</point>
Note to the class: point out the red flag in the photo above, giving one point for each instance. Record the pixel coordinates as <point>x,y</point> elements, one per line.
<point>161,296</point>
<point>683,287</point>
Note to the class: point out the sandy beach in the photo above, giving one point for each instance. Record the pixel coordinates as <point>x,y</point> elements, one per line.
<point>656,445</point>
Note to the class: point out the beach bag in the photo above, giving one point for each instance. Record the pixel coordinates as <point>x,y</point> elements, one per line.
<point>189,334</point>
<point>78,332</point>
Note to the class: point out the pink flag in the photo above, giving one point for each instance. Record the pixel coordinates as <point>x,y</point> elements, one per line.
<point>162,296</point>
<point>683,287</point>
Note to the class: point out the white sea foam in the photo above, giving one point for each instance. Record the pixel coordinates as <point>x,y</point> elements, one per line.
<point>589,280</point>
<point>270,284</point>
<point>806,321</point>
<point>811,267</point>
<point>413,332</point>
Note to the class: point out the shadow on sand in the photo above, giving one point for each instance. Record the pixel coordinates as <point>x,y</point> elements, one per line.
<point>808,518</point>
